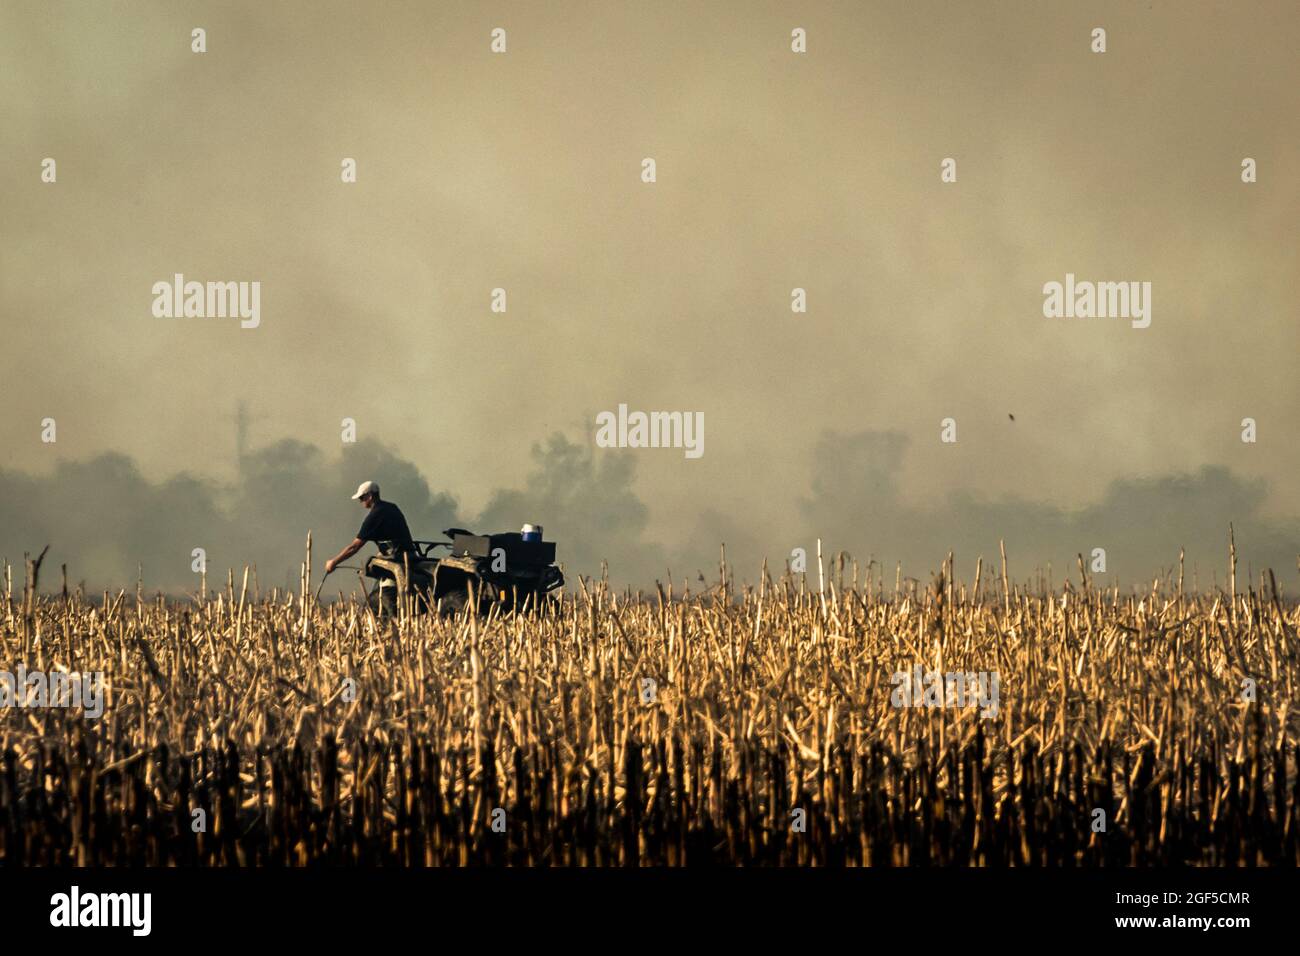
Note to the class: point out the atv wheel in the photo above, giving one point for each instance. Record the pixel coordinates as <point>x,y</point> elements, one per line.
<point>453,602</point>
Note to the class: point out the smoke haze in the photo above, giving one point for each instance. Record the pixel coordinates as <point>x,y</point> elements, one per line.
<point>775,171</point>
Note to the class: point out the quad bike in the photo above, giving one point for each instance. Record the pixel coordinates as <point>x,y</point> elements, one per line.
<point>499,569</point>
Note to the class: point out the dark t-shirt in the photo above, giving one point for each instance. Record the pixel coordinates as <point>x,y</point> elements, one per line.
<point>386,526</point>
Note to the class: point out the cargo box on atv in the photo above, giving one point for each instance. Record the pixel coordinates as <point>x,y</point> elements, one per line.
<point>445,582</point>
<point>518,552</point>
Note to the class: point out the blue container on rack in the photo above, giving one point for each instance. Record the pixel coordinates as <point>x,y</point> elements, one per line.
<point>532,532</point>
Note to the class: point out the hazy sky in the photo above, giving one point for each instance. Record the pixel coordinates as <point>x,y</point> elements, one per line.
<point>775,170</point>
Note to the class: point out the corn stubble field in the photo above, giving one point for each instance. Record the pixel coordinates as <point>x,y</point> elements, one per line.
<point>315,734</point>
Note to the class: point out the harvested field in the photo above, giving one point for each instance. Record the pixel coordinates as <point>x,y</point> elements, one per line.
<point>757,726</point>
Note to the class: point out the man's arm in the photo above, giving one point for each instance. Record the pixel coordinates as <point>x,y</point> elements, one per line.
<point>356,545</point>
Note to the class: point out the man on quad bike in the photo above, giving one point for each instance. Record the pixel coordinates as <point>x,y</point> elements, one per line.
<point>511,571</point>
<point>385,525</point>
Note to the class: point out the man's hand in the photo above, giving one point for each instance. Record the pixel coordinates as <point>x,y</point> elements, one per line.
<point>356,545</point>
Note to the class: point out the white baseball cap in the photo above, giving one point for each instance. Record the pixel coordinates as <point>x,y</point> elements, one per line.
<point>366,488</point>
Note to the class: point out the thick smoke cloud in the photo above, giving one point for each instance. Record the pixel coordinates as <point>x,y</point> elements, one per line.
<point>104,518</point>
<point>775,170</point>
